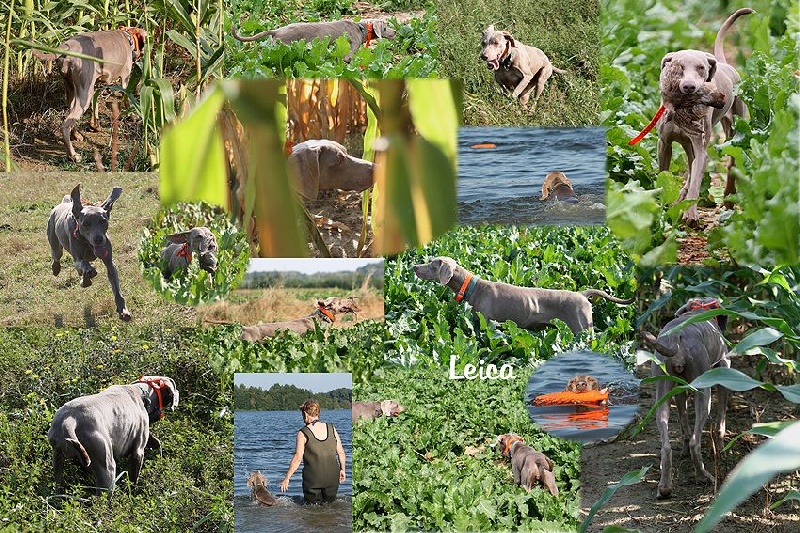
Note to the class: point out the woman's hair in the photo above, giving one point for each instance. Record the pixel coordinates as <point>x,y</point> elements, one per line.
<point>310,407</point>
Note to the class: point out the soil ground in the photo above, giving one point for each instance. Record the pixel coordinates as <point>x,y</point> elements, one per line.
<point>636,506</point>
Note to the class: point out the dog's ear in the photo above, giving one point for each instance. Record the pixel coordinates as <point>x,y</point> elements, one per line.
<point>170,393</point>
<point>445,271</point>
<point>77,206</point>
<point>712,66</point>
<point>108,203</point>
<point>509,38</point>
<point>667,58</point>
<point>304,165</point>
<point>178,238</point>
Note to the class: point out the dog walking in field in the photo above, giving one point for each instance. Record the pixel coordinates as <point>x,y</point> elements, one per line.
<point>697,92</point>
<point>528,466</point>
<point>83,231</point>
<point>181,247</point>
<point>115,52</point>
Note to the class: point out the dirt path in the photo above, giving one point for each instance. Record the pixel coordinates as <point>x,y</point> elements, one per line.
<point>637,507</point>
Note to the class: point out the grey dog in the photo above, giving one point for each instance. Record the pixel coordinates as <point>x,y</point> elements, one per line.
<point>528,307</point>
<point>687,74</point>
<point>83,231</point>
<point>115,50</point>
<point>199,241</point>
<point>687,354</point>
<point>100,429</point>
<point>356,32</point>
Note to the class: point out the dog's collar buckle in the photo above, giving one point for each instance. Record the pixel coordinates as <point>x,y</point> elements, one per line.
<point>326,315</point>
<point>467,288</point>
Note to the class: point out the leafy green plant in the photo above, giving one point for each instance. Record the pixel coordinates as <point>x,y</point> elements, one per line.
<point>432,468</point>
<point>195,286</point>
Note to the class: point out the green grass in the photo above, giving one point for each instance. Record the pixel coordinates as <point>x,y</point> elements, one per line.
<point>566,31</point>
<point>188,487</point>
<point>432,469</point>
<point>31,295</point>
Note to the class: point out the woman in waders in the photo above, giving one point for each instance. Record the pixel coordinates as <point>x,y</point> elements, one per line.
<point>320,449</point>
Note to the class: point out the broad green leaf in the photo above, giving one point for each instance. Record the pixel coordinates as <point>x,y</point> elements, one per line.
<point>192,156</point>
<point>777,455</point>
<point>758,337</point>
<point>631,478</point>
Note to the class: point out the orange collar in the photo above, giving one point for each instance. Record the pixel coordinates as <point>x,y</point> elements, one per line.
<point>510,443</point>
<point>463,289</point>
<point>156,385</point>
<point>327,313</point>
<point>649,127</point>
<point>695,305</point>
<point>133,38</point>
<point>369,34</point>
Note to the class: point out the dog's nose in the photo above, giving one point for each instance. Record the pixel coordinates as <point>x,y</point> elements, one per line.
<point>483,56</point>
<point>688,87</point>
<point>98,239</point>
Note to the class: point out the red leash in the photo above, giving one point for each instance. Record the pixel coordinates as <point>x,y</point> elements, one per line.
<point>649,127</point>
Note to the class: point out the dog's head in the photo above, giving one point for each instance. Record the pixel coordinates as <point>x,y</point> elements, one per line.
<point>505,441</point>
<point>552,181</point>
<point>583,384</point>
<point>339,305</point>
<point>201,242</point>
<point>163,395</point>
<point>318,165</point>
<point>686,71</point>
<point>391,408</point>
<point>93,220</point>
<point>495,46</point>
<point>440,269</point>
<point>256,479</point>
<point>380,29</point>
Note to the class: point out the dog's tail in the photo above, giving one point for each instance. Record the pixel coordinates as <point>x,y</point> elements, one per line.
<point>559,71</point>
<point>597,292</point>
<point>257,36</point>
<point>82,455</point>
<point>718,52</point>
<point>44,56</point>
<point>549,481</point>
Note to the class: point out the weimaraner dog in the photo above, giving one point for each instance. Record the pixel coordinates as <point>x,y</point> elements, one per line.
<point>100,429</point>
<point>528,307</point>
<point>372,410</point>
<point>557,186</point>
<point>116,51</point>
<point>527,465</point>
<point>697,92</point>
<point>177,255</point>
<point>357,33</point>
<point>518,68</point>
<point>320,165</point>
<point>83,231</point>
<point>324,315</point>
<point>258,485</point>
<point>687,354</point>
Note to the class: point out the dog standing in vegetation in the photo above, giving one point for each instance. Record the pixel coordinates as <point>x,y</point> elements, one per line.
<point>83,231</point>
<point>99,429</point>
<point>177,255</point>
<point>116,51</point>
<point>527,465</point>
<point>687,354</point>
<point>357,33</point>
<point>373,410</point>
<point>697,91</point>
<point>518,68</point>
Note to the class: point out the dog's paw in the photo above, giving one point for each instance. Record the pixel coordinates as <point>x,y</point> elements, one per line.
<point>56,268</point>
<point>125,315</point>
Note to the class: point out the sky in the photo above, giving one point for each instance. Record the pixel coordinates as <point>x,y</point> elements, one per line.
<point>312,382</point>
<point>309,266</point>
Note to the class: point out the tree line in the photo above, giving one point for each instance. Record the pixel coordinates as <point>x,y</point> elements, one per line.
<point>347,280</point>
<point>287,398</point>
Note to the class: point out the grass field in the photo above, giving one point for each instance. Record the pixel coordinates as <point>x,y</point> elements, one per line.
<point>32,296</point>
<point>186,488</point>
<point>566,31</point>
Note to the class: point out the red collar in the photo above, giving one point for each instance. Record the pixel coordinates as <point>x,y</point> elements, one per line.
<point>463,289</point>
<point>510,443</point>
<point>369,34</point>
<point>327,313</point>
<point>133,38</point>
<point>695,305</point>
<point>156,385</point>
<point>184,251</point>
